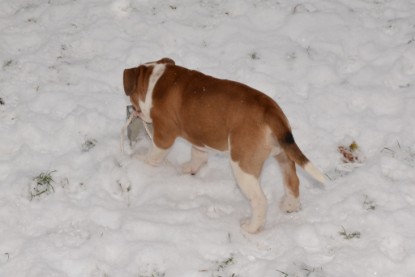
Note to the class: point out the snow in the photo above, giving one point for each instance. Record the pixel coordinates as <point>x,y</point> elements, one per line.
<point>342,70</point>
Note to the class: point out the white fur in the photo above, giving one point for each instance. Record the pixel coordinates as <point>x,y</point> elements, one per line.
<point>145,107</point>
<point>150,64</point>
<point>276,150</point>
<point>315,172</point>
<point>199,158</point>
<point>156,155</point>
<point>249,185</point>
<point>290,203</point>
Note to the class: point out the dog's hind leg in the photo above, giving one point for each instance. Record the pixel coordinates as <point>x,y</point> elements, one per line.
<point>248,154</point>
<point>290,202</point>
<point>249,185</point>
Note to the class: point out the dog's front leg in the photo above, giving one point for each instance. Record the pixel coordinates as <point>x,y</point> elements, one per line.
<point>199,158</point>
<point>156,155</point>
<point>163,139</point>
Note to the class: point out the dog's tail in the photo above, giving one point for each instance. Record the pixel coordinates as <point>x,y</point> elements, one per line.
<point>295,154</point>
<point>281,129</point>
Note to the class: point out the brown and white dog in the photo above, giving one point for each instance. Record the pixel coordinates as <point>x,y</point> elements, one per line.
<point>218,114</point>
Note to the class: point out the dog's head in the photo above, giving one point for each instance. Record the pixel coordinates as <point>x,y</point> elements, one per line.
<point>136,81</point>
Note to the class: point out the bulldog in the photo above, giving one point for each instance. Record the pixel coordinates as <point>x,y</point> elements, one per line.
<point>218,114</point>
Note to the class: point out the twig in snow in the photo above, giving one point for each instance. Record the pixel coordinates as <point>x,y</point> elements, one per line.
<point>43,184</point>
<point>369,204</point>
<point>349,236</point>
<point>284,274</point>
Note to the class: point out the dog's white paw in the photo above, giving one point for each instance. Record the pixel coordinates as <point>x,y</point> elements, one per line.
<point>148,159</point>
<point>290,204</point>
<point>250,227</point>
<point>140,157</point>
<point>191,167</point>
<point>153,161</point>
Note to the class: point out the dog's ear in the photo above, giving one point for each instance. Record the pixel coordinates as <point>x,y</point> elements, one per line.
<point>130,78</point>
<point>166,61</point>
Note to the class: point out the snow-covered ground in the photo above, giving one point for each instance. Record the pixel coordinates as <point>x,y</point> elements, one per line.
<point>342,70</point>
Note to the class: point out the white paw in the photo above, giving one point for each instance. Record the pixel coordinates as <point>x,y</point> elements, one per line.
<point>250,227</point>
<point>191,167</point>
<point>153,161</point>
<point>140,157</point>
<point>290,204</point>
<point>148,159</point>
